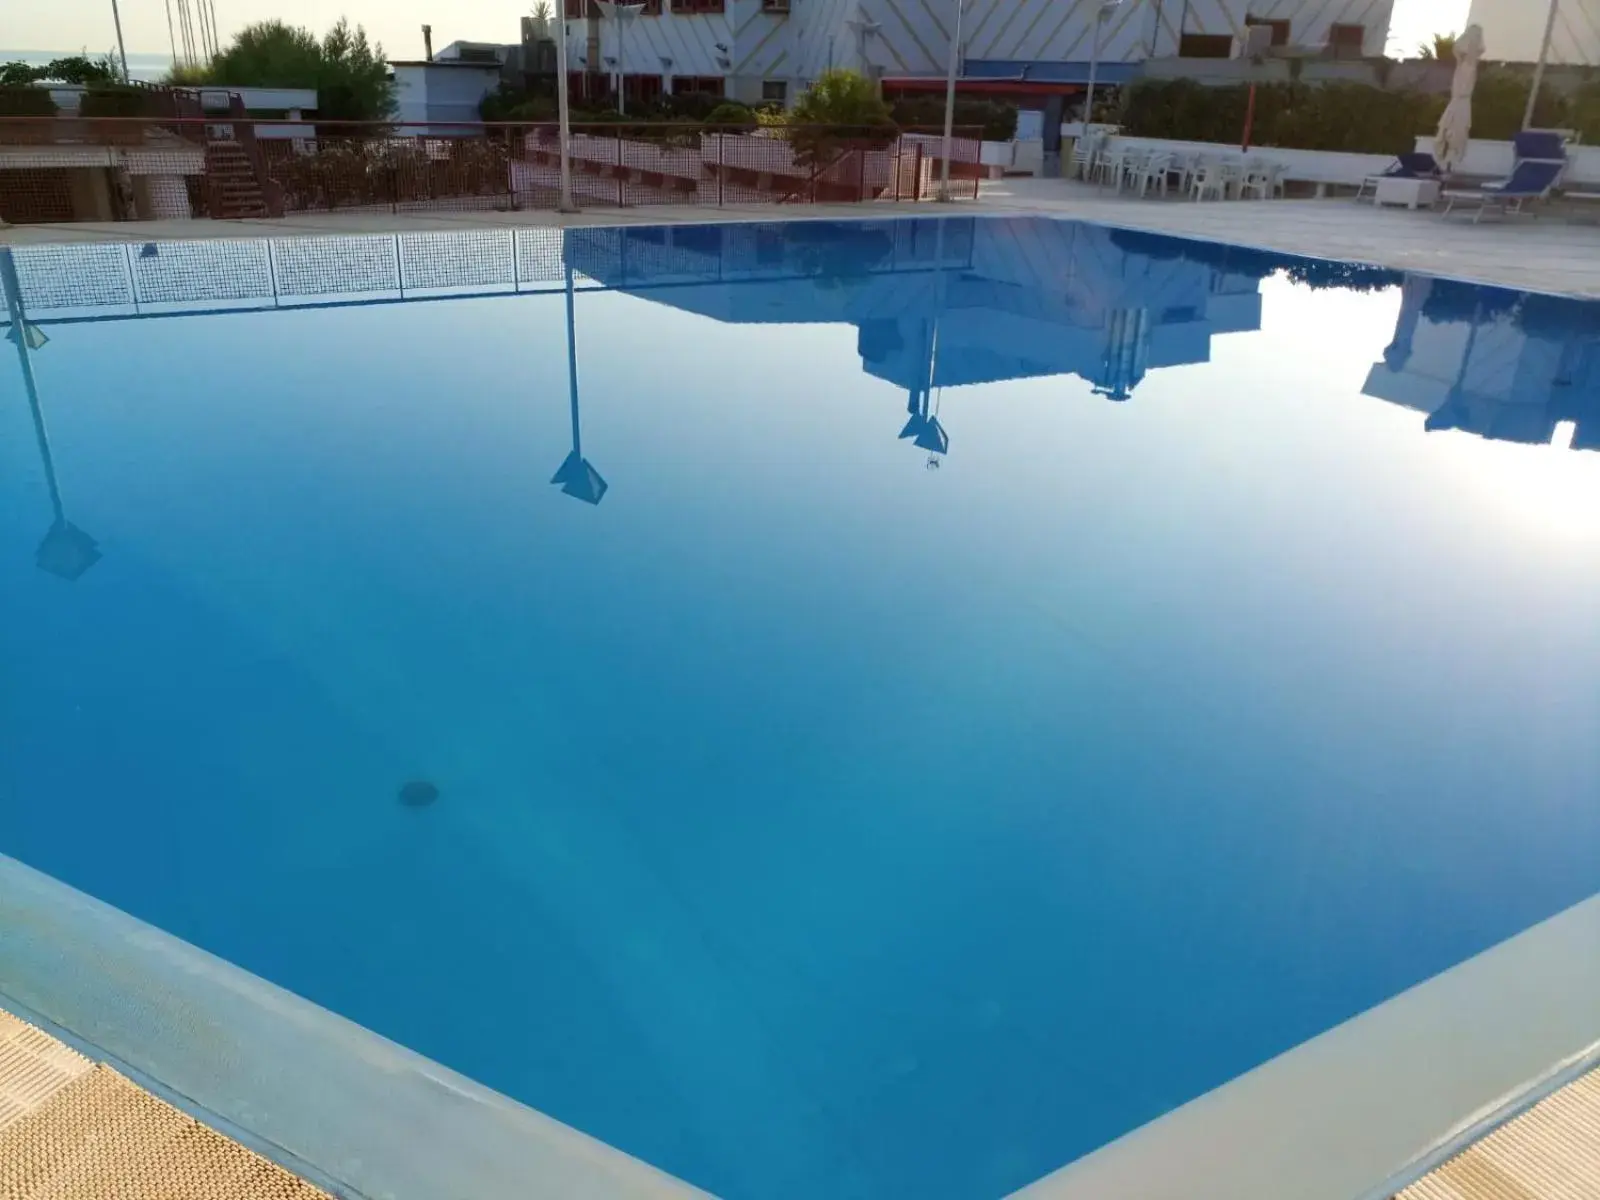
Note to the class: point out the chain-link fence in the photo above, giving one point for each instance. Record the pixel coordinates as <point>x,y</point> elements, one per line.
<point>124,169</point>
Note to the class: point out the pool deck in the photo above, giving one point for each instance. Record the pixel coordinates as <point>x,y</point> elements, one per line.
<point>1551,1152</point>
<point>1534,254</point>
<point>71,1129</point>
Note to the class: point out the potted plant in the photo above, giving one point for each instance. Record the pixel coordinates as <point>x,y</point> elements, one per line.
<point>30,103</point>
<point>107,108</point>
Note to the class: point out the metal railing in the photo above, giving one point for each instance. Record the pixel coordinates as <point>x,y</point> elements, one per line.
<point>227,166</point>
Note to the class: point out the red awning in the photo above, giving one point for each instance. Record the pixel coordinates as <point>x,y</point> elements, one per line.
<point>1009,87</point>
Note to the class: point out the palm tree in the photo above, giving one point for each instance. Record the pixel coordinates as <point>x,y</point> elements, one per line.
<point>541,18</point>
<point>1441,49</point>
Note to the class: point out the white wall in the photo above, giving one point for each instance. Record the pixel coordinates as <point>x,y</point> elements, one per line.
<point>1512,30</point>
<point>437,93</point>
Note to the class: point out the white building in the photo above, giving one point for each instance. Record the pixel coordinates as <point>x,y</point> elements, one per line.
<point>1513,29</point>
<point>1483,361</point>
<point>771,49</point>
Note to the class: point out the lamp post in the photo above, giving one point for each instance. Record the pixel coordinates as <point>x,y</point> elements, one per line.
<point>122,53</point>
<point>621,14</point>
<point>563,123</point>
<point>1538,70</point>
<point>950,107</point>
<point>1101,16</point>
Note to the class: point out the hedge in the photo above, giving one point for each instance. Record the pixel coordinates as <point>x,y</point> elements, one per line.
<point>26,102</point>
<point>1353,117</point>
<point>999,121</point>
<point>115,101</point>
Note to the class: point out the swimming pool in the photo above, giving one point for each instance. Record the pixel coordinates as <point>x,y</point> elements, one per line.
<point>908,701</point>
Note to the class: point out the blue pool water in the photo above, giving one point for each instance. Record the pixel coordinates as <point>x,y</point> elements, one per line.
<point>974,688</point>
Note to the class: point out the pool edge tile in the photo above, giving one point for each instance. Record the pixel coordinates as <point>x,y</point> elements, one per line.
<point>1361,1111</point>
<point>304,1084</point>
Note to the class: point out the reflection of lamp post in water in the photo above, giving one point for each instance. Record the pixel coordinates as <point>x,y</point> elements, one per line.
<point>923,427</point>
<point>66,551</point>
<point>575,475</point>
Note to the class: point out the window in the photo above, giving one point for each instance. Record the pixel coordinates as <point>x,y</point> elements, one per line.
<point>1347,41</point>
<point>696,6</point>
<point>698,85</point>
<point>1205,45</point>
<point>776,90</point>
<point>1280,29</point>
<point>641,89</point>
<point>775,6</point>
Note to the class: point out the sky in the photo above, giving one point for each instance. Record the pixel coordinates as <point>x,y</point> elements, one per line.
<point>70,25</point>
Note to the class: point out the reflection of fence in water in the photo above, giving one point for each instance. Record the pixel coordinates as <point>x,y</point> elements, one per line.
<point>60,282</point>
<point>125,279</point>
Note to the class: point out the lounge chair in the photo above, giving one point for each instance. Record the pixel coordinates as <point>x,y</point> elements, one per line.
<point>1534,179</point>
<point>1417,165</point>
<point>1539,145</point>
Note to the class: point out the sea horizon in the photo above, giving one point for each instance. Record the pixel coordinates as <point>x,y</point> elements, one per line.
<point>147,65</point>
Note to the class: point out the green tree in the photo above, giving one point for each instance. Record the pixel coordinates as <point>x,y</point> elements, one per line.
<point>77,68</point>
<point>842,111</point>
<point>348,72</point>
<point>1440,48</point>
<point>841,97</point>
<point>356,84</point>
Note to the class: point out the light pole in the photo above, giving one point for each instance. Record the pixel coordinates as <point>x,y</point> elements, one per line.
<point>950,107</point>
<point>563,123</point>
<point>1538,70</point>
<point>621,14</point>
<point>122,52</point>
<point>1101,16</point>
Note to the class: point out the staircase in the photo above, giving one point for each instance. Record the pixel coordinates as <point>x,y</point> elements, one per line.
<point>231,183</point>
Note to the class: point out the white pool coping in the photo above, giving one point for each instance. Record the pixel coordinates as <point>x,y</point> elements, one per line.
<point>1353,1114</point>
<point>323,1096</point>
<point>1373,1104</point>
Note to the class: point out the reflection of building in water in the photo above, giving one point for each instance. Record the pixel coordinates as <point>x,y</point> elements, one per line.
<point>935,303</point>
<point>1011,299</point>
<point>1498,364</point>
<point>943,303</point>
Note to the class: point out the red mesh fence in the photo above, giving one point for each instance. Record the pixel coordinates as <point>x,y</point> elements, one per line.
<point>122,169</point>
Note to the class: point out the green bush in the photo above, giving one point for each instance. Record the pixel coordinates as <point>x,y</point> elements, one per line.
<point>997,119</point>
<point>1339,116</point>
<point>26,102</point>
<point>513,104</point>
<point>1501,98</point>
<point>1584,107</point>
<point>689,106</point>
<point>116,101</point>
<point>732,117</point>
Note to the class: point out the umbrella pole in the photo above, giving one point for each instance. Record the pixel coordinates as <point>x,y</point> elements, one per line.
<point>1538,70</point>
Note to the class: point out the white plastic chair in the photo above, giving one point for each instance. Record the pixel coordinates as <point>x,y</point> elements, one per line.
<point>1256,180</point>
<point>1209,179</point>
<point>1084,152</point>
<point>1156,169</point>
<point>1108,167</point>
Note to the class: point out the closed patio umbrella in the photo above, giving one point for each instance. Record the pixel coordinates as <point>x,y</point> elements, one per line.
<point>1455,126</point>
